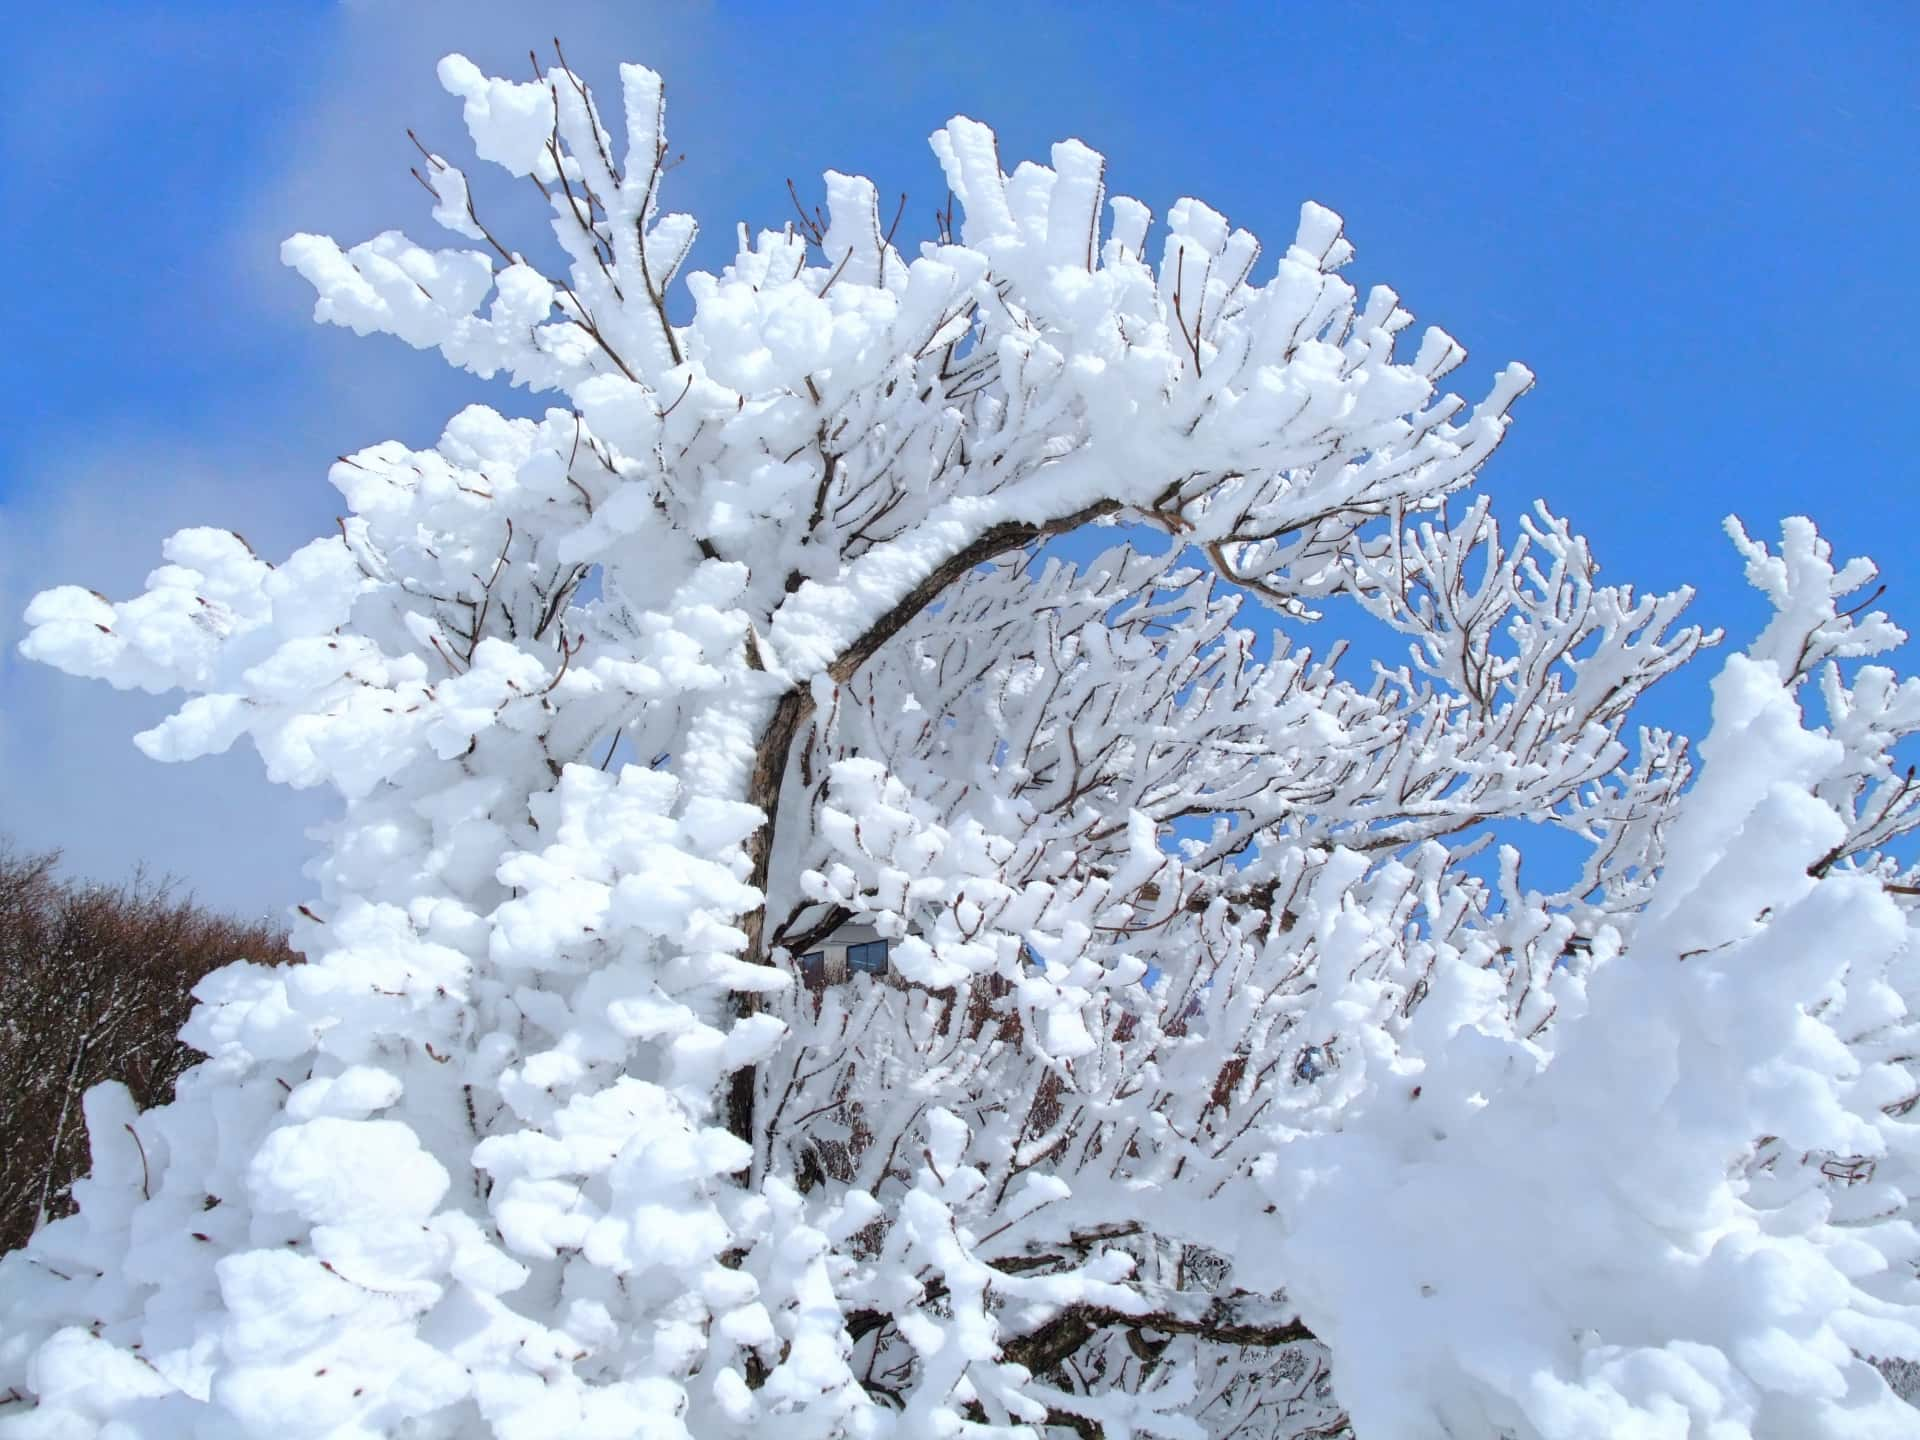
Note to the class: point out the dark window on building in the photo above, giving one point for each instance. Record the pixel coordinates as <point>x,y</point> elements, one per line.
<point>870,956</point>
<point>813,967</point>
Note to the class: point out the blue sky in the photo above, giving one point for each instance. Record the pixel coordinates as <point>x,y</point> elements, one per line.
<point>1696,224</point>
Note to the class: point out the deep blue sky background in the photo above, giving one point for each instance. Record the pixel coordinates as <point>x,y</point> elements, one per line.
<point>1696,224</point>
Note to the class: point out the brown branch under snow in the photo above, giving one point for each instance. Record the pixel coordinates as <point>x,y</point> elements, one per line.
<point>1240,1318</point>
<point>795,708</point>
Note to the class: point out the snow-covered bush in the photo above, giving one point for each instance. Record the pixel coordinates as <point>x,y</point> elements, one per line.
<point>1232,1083</point>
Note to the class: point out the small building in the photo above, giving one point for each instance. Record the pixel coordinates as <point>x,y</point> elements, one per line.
<point>854,948</point>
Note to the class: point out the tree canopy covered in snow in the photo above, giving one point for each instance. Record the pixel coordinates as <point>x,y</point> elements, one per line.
<point>1230,1081</point>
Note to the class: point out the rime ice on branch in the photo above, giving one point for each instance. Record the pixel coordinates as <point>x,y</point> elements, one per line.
<point>1217,1093</point>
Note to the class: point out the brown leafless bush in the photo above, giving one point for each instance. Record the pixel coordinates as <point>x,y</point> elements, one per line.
<point>95,983</point>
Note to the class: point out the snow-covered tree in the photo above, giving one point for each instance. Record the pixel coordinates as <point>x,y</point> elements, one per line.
<point>1230,1081</point>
